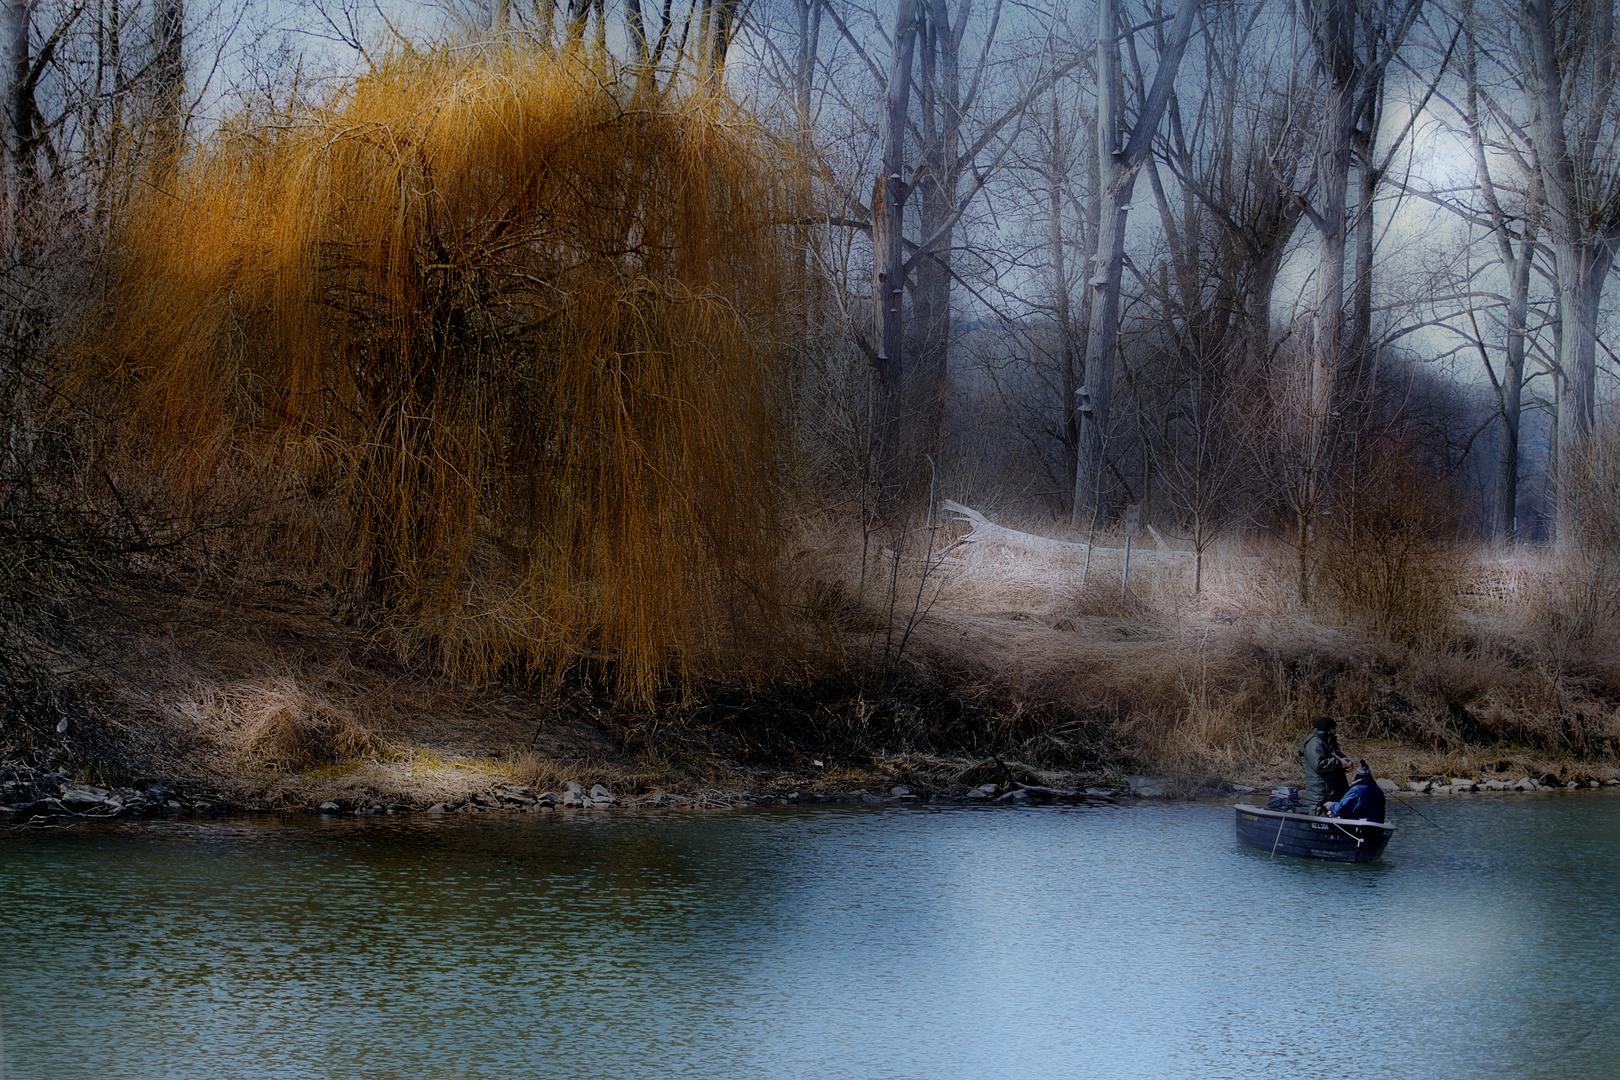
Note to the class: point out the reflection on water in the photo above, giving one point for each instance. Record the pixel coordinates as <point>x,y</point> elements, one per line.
<point>1137,942</point>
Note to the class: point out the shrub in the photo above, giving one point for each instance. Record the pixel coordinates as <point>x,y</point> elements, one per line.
<point>286,726</point>
<point>1388,561</point>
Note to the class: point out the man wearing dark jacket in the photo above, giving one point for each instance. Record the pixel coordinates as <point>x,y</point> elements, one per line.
<point>1364,801</point>
<point>1325,763</point>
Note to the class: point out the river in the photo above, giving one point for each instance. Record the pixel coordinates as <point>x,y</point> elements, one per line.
<point>819,943</point>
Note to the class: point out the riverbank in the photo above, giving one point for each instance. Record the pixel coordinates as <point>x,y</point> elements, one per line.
<point>984,666</point>
<point>33,795</point>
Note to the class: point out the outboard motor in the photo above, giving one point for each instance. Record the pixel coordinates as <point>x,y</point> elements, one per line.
<point>1284,797</point>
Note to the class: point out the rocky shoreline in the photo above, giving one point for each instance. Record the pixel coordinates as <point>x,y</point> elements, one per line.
<point>1463,785</point>
<point>41,795</point>
<point>31,794</point>
<point>575,796</point>
<point>1460,785</point>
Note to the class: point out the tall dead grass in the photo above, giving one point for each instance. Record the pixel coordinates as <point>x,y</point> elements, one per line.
<point>1224,681</point>
<point>285,725</point>
<point>488,340</point>
<point>279,721</point>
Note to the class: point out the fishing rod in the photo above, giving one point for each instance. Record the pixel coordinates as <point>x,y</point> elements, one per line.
<point>1409,806</point>
<point>1415,810</point>
<point>1403,802</point>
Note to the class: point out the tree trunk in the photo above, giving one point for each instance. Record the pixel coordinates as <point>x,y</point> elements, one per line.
<point>807,283</point>
<point>1069,370</point>
<point>1120,156</point>
<point>111,83</point>
<point>1510,393</point>
<point>579,13</point>
<point>888,259</point>
<point>1358,350</point>
<point>1334,29</point>
<point>22,178</point>
<point>1510,386</point>
<point>635,25</point>
<point>1583,268</point>
<point>937,185</point>
<point>1583,222</point>
<point>169,78</point>
<point>720,26</point>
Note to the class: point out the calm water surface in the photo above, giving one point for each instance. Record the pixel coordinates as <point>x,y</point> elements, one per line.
<point>919,943</point>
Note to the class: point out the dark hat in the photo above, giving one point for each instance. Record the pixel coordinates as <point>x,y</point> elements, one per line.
<point>1364,772</point>
<point>1326,723</point>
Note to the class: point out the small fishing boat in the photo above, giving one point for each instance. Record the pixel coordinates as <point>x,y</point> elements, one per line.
<point>1293,831</point>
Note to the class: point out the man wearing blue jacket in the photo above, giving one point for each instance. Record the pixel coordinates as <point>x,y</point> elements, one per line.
<point>1364,801</point>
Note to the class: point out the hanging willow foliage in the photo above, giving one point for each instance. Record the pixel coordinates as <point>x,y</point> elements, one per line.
<point>503,331</point>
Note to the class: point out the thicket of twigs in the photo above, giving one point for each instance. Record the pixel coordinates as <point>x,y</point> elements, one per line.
<point>68,536</point>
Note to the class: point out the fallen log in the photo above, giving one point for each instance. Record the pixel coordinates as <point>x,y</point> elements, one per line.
<point>984,530</point>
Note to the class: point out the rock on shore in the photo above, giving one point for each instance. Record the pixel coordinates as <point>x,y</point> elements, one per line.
<point>34,793</point>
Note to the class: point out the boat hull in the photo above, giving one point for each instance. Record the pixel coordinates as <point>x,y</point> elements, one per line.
<point>1306,836</point>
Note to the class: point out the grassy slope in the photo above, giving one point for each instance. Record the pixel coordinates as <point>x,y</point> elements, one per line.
<point>1011,667</point>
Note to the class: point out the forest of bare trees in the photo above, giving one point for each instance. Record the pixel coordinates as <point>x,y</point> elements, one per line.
<point>1347,239</point>
<point>1311,271</point>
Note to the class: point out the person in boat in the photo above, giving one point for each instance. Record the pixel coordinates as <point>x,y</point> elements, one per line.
<point>1364,801</point>
<point>1325,764</point>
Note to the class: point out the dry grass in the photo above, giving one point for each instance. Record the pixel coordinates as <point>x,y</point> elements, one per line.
<point>1224,683</point>
<point>287,726</point>
<point>1013,662</point>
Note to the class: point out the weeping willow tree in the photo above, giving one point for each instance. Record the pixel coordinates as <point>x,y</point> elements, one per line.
<point>499,332</point>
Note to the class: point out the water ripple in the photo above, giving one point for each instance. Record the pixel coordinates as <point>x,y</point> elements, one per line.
<point>828,943</point>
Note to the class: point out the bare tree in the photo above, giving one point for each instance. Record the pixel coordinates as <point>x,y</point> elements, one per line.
<point>889,191</point>
<point>1201,460</point>
<point>1487,299</point>
<point>1071,225</point>
<point>1226,224</point>
<point>1516,237</point>
<point>1353,47</point>
<point>943,112</point>
<point>169,75</point>
<point>1121,151</point>
<point>1032,358</point>
<point>1568,67</point>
